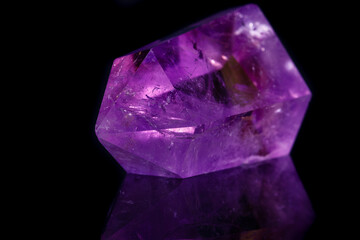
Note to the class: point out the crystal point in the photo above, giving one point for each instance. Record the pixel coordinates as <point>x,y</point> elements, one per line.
<point>221,94</point>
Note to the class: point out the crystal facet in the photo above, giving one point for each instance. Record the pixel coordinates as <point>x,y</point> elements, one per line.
<point>221,94</point>
<point>263,201</point>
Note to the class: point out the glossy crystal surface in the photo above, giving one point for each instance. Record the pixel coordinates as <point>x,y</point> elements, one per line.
<point>223,93</point>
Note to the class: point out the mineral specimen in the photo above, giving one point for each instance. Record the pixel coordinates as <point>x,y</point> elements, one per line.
<point>222,93</point>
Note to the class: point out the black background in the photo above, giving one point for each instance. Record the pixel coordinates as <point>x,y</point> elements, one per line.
<point>78,42</point>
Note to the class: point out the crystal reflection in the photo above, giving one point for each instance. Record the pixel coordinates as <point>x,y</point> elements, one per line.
<point>261,201</point>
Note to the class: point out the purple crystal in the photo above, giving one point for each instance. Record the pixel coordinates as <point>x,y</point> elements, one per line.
<point>222,94</point>
<point>263,201</point>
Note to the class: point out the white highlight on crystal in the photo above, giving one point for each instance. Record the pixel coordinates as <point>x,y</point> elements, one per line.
<point>215,63</point>
<point>136,109</point>
<point>256,30</point>
<point>289,66</point>
<point>294,94</point>
<point>181,130</point>
<point>239,31</point>
<point>147,134</point>
<point>175,118</point>
<point>260,30</point>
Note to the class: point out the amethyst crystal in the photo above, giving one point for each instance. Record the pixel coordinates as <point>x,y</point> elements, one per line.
<point>221,94</point>
<point>258,201</point>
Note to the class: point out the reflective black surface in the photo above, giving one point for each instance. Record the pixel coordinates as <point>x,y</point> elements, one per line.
<point>81,39</point>
<point>259,201</point>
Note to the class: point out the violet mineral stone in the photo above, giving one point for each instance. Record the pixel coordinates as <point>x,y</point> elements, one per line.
<point>262,201</point>
<point>223,93</point>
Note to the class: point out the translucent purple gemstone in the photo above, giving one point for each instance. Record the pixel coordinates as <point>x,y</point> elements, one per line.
<point>264,201</point>
<point>222,94</point>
